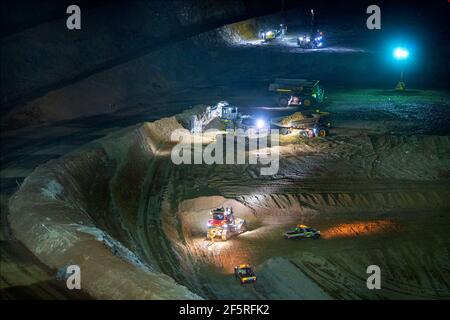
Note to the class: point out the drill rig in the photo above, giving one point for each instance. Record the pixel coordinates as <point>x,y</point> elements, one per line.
<point>224,225</point>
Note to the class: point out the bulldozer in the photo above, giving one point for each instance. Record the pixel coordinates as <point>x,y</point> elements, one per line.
<point>224,224</point>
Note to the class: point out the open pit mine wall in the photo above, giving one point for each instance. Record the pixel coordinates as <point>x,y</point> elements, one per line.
<point>42,55</point>
<point>117,208</point>
<point>141,81</point>
<point>137,81</point>
<point>81,209</point>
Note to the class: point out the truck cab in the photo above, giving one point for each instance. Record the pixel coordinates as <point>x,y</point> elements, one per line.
<point>296,92</point>
<point>245,274</point>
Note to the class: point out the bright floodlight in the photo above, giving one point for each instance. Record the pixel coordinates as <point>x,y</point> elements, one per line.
<point>260,123</point>
<point>401,53</point>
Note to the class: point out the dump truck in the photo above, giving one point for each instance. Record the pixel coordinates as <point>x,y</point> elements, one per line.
<point>307,124</point>
<point>296,92</point>
<point>224,225</point>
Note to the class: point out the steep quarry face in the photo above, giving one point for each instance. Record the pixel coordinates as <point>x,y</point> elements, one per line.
<point>136,223</point>
<point>83,209</point>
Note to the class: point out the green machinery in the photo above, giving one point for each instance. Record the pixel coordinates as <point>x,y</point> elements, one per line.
<point>295,92</point>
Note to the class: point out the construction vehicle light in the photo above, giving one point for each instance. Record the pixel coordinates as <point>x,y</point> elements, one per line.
<point>260,123</point>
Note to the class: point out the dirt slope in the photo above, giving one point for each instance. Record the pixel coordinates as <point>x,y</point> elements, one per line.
<point>120,205</point>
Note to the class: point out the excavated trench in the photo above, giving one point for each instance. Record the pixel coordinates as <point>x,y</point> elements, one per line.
<point>136,223</point>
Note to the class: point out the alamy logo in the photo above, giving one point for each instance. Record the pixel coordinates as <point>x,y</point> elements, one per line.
<point>374,280</point>
<point>374,20</point>
<point>74,277</point>
<point>190,148</point>
<point>73,22</point>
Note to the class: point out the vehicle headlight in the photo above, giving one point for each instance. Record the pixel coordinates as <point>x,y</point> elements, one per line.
<point>308,39</point>
<point>301,38</point>
<point>260,123</point>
